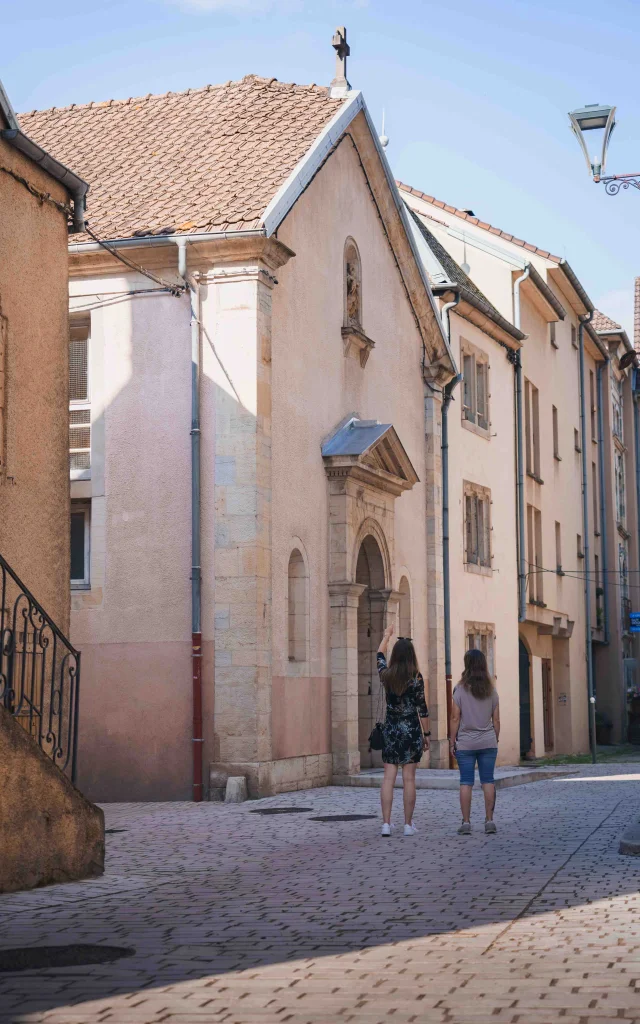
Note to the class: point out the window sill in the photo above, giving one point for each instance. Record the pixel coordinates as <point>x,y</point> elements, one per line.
<point>560,571</point>
<point>554,344</point>
<point>557,457</point>
<point>537,604</point>
<point>79,474</point>
<point>478,570</point>
<point>80,586</point>
<point>475,428</point>
<point>578,450</point>
<point>534,476</point>
<point>580,555</point>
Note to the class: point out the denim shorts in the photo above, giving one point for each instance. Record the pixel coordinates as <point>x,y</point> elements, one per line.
<point>467,764</point>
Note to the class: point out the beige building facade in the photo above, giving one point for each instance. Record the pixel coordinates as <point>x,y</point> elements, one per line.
<point>320,349</point>
<point>561,537</point>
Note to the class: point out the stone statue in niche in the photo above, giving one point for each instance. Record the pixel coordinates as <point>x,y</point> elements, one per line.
<point>353,288</point>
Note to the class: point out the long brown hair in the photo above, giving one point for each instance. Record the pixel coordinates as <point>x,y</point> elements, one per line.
<point>403,667</point>
<point>476,676</point>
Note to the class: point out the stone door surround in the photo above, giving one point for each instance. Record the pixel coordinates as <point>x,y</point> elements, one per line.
<point>367,469</point>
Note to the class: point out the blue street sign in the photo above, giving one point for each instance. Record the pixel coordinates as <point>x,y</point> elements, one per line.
<point>634,629</point>
<point>634,615</point>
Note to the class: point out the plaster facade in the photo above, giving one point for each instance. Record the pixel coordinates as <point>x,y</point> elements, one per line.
<point>282,369</point>
<point>553,699</point>
<point>34,492</point>
<point>484,604</point>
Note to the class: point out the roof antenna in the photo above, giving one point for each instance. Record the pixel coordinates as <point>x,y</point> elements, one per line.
<point>340,86</point>
<point>384,139</point>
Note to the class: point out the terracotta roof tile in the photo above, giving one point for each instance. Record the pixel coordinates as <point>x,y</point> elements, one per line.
<point>603,323</point>
<point>209,158</point>
<point>478,223</point>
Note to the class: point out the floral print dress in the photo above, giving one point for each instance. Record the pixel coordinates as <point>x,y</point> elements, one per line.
<point>402,730</point>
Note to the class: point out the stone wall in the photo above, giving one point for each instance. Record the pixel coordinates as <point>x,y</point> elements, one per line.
<point>50,832</point>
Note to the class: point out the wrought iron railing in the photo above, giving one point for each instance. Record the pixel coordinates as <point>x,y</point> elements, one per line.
<point>39,672</point>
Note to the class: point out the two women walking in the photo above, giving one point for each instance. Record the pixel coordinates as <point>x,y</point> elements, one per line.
<point>475,728</point>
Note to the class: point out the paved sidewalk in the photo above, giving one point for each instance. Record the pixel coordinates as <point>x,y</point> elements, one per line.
<point>237,917</point>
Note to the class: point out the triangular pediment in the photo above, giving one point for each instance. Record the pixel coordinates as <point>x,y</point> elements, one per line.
<point>373,452</point>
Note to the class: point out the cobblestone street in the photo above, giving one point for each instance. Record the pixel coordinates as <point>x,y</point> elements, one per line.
<point>236,916</point>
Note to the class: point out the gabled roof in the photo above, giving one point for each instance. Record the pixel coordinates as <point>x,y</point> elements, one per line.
<point>472,219</point>
<point>606,327</point>
<point>583,304</point>
<point>11,132</point>
<point>372,452</point>
<point>201,160</point>
<point>603,324</point>
<point>443,270</point>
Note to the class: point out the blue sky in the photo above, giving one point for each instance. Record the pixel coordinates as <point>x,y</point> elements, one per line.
<point>476,94</point>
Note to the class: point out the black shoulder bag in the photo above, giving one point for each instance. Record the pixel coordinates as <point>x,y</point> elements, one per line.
<point>377,733</point>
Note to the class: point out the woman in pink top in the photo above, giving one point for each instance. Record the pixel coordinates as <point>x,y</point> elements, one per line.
<point>475,728</point>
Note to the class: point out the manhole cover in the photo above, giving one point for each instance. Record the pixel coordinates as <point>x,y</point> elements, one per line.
<point>38,958</point>
<point>343,817</point>
<point>112,831</point>
<point>283,810</point>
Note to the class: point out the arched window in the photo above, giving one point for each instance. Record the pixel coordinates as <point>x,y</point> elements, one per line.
<point>298,607</point>
<point>352,285</point>
<point>405,607</point>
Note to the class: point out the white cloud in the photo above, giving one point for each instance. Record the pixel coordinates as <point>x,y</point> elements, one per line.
<point>618,306</point>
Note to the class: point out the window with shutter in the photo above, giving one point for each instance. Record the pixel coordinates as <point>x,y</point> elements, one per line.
<point>79,397</point>
<point>469,388</point>
<point>480,636</point>
<point>477,526</point>
<point>482,393</point>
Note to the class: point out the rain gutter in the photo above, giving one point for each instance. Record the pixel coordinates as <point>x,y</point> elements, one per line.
<point>76,187</point>
<point>446,573</point>
<point>196,573</point>
<point>603,518</point>
<point>586,544</point>
<point>522,564</point>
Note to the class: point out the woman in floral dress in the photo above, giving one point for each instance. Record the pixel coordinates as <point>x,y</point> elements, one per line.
<point>406,728</point>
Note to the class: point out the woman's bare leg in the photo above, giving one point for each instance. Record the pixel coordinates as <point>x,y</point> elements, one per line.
<point>465,802</point>
<point>489,790</point>
<point>386,791</point>
<point>409,791</point>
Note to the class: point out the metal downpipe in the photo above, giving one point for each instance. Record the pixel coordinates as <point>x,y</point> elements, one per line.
<point>586,546</point>
<point>446,573</point>
<point>603,517</point>
<point>196,574</point>
<point>522,562</point>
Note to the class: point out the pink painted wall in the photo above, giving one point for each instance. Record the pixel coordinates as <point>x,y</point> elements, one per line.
<point>314,388</point>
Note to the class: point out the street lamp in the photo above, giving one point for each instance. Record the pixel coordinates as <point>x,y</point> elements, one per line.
<point>600,117</point>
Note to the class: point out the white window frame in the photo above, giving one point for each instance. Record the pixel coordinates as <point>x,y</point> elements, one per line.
<point>83,508</point>
<point>81,323</point>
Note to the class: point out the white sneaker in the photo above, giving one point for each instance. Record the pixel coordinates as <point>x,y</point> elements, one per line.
<point>386,829</point>
<point>410,830</point>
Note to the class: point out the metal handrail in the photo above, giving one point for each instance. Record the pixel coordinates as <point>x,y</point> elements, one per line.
<point>39,672</point>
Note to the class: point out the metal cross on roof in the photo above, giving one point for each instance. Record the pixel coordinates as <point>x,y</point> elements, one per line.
<point>340,86</point>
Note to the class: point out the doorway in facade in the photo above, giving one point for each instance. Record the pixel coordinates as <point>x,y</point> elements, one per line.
<point>525,700</point>
<point>371,620</point>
